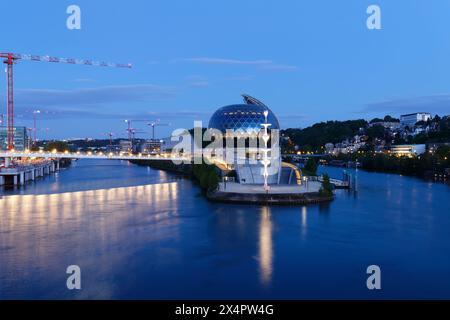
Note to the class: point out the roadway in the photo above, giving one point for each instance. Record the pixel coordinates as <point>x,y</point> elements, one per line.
<point>88,155</point>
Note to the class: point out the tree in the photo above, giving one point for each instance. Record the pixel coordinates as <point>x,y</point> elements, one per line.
<point>204,180</point>
<point>310,167</point>
<point>316,136</point>
<point>59,146</point>
<point>327,189</point>
<point>388,118</point>
<point>375,120</point>
<point>376,131</point>
<point>213,180</point>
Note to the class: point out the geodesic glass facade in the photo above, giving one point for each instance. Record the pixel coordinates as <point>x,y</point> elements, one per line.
<point>242,118</point>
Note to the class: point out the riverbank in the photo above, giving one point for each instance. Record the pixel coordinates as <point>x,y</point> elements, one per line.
<point>208,178</point>
<point>184,169</point>
<point>285,199</point>
<point>428,167</point>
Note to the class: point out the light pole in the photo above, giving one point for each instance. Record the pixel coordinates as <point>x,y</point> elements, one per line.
<point>35,112</point>
<point>265,160</point>
<point>30,138</point>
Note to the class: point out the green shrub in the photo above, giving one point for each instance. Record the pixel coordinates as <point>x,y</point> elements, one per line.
<point>310,167</point>
<point>327,189</point>
<point>206,175</point>
<point>213,180</point>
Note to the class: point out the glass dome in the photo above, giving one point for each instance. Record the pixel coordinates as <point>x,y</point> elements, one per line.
<point>242,118</point>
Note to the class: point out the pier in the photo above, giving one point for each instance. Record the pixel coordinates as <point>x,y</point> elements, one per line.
<point>23,172</point>
<point>22,166</point>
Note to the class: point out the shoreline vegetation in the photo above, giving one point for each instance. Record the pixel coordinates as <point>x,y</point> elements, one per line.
<point>365,142</point>
<point>369,144</point>
<point>425,166</point>
<point>207,177</point>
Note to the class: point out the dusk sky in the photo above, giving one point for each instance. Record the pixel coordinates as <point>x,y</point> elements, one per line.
<point>309,61</point>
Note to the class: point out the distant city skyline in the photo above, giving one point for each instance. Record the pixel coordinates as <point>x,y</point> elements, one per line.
<point>308,61</point>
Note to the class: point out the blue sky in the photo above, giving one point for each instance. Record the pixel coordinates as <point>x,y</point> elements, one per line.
<point>309,61</point>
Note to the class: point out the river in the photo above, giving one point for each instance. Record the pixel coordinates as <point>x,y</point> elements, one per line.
<point>139,233</point>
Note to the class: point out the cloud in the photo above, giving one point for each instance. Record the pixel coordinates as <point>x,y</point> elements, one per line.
<point>279,67</point>
<point>433,104</point>
<point>55,113</point>
<point>93,96</point>
<point>197,81</point>
<point>84,80</point>
<point>240,78</point>
<point>101,102</point>
<point>206,60</point>
<point>262,64</point>
<point>297,116</point>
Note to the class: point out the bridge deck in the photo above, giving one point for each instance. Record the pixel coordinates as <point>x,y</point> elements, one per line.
<point>78,155</point>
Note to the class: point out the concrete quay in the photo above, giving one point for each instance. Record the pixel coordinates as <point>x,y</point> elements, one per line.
<point>21,173</point>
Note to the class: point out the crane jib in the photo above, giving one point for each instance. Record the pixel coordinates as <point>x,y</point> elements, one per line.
<point>10,60</point>
<point>31,57</point>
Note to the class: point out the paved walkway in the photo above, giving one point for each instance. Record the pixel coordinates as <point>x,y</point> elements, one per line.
<point>233,187</point>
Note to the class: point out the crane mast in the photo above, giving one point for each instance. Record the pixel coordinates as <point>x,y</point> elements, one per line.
<point>11,58</point>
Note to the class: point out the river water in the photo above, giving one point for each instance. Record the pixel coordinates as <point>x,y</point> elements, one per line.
<point>138,233</point>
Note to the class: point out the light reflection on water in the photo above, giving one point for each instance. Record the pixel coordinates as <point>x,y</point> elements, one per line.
<point>141,233</point>
<point>265,246</point>
<point>47,230</point>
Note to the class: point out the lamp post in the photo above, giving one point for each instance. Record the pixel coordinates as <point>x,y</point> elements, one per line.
<point>265,160</point>
<point>35,112</point>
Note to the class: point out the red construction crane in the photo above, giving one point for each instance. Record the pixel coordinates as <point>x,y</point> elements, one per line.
<point>110,135</point>
<point>11,58</point>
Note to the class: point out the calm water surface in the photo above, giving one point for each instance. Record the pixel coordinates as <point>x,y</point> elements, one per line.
<point>140,233</point>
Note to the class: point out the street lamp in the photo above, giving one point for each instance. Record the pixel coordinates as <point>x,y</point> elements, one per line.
<point>265,161</point>
<point>35,112</point>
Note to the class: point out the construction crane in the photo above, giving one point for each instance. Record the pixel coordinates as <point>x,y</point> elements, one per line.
<point>130,130</point>
<point>135,131</point>
<point>11,58</point>
<point>157,124</point>
<point>110,135</point>
<point>32,131</point>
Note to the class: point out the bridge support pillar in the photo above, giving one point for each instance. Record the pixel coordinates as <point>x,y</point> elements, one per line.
<point>22,178</point>
<point>7,162</point>
<point>57,165</point>
<point>15,180</point>
<point>2,180</point>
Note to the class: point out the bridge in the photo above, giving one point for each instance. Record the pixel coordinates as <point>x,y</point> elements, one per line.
<point>40,163</point>
<point>89,155</point>
<point>338,184</point>
<point>311,155</point>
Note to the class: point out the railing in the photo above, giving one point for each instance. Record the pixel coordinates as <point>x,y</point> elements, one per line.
<point>90,155</point>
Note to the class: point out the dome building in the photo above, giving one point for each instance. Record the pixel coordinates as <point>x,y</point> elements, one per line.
<point>244,123</point>
<point>242,119</point>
